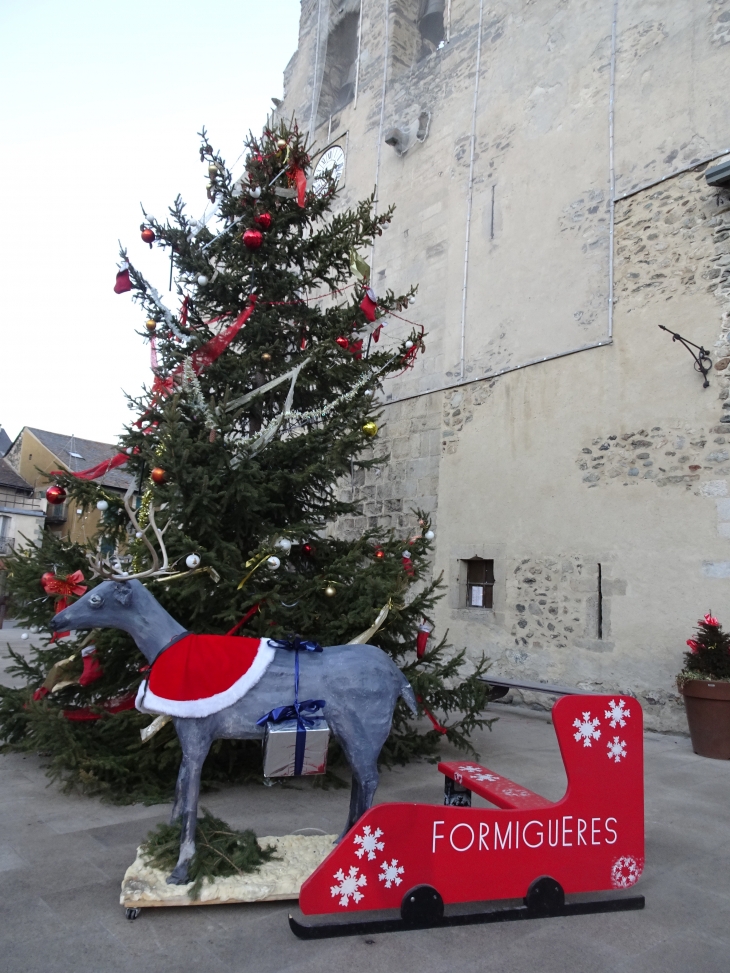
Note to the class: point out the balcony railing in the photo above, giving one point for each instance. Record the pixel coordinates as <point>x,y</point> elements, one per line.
<point>20,501</point>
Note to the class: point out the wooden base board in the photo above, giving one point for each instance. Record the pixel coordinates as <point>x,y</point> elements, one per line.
<point>298,855</point>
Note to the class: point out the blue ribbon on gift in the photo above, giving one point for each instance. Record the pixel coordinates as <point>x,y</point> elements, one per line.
<point>294,644</point>
<point>297,710</point>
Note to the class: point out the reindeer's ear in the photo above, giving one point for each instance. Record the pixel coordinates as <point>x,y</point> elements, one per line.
<point>123,593</point>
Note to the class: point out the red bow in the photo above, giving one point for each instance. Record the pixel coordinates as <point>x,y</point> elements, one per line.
<point>64,587</point>
<point>70,585</point>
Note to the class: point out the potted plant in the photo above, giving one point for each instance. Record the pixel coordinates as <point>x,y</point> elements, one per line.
<point>705,684</point>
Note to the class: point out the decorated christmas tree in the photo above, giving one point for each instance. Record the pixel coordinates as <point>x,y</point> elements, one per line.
<point>709,652</point>
<point>262,405</point>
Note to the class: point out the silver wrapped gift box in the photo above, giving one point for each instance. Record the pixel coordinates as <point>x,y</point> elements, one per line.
<point>280,744</point>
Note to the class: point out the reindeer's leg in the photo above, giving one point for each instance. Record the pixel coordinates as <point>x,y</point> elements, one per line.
<point>195,750</point>
<point>361,749</point>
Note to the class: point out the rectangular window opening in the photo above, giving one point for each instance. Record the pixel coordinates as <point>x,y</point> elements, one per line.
<point>479,582</point>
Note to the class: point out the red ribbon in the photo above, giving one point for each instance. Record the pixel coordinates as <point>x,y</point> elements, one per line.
<point>300,180</point>
<point>100,470</point>
<point>249,614</point>
<point>434,722</point>
<point>112,706</point>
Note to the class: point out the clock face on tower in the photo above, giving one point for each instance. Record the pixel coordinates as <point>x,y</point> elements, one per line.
<point>332,163</point>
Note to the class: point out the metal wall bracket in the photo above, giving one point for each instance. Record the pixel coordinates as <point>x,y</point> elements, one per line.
<point>703,362</point>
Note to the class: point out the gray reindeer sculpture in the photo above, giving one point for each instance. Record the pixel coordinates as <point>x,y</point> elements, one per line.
<point>359,683</point>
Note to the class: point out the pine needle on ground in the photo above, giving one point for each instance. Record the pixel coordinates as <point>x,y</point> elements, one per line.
<point>220,851</point>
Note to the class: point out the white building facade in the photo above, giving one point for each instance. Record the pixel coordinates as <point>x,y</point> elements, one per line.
<point>549,163</point>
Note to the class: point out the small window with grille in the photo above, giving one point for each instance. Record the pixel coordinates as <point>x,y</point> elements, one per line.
<point>479,582</point>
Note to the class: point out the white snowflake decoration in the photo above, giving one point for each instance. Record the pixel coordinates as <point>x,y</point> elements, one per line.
<point>625,872</point>
<point>616,749</point>
<point>587,729</point>
<point>368,842</point>
<point>391,873</point>
<point>349,886</point>
<point>617,713</point>
<point>468,769</point>
<point>491,777</point>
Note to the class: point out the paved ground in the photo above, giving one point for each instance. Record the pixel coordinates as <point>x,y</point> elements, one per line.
<point>62,859</point>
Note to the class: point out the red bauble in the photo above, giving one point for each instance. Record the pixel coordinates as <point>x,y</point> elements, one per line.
<point>379,553</point>
<point>263,220</point>
<point>55,494</point>
<point>342,342</point>
<point>148,235</point>
<point>308,549</point>
<point>252,239</point>
<point>158,475</point>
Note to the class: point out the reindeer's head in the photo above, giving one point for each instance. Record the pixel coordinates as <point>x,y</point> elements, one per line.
<point>109,605</point>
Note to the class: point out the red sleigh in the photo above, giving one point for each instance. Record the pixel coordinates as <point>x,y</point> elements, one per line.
<point>417,858</point>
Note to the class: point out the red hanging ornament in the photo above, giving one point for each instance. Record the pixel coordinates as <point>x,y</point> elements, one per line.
<point>379,553</point>
<point>376,333</point>
<point>342,342</point>
<point>303,340</point>
<point>148,235</point>
<point>356,349</point>
<point>158,475</point>
<point>369,304</point>
<point>252,239</point>
<point>55,494</point>
<point>308,549</point>
<point>123,283</point>
<point>407,564</point>
<point>424,631</point>
<point>263,220</point>
<point>92,666</point>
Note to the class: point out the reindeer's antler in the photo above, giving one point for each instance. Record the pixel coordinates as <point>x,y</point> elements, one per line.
<point>103,568</point>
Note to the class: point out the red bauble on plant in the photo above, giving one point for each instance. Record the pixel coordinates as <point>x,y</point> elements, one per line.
<point>148,235</point>
<point>263,220</point>
<point>158,476</point>
<point>55,494</point>
<point>342,342</point>
<point>252,238</point>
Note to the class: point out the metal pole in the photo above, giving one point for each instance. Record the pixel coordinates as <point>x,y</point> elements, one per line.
<point>380,127</point>
<point>469,193</point>
<point>357,63</point>
<point>611,168</point>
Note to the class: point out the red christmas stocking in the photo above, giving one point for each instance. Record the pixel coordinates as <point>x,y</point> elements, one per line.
<point>92,667</point>
<point>123,283</point>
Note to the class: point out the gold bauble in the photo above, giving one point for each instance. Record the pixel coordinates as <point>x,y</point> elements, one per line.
<point>266,357</point>
<point>370,428</point>
<point>150,325</point>
<point>330,591</point>
<point>212,170</point>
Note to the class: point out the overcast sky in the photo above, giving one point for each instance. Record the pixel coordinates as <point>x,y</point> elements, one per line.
<point>100,107</point>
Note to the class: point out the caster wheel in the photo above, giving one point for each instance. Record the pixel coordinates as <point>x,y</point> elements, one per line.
<point>422,906</point>
<point>132,914</point>
<point>545,896</point>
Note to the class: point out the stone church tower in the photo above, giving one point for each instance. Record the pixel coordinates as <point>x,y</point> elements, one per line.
<point>557,171</point>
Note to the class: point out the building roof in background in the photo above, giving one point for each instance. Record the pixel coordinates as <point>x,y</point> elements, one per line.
<point>5,442</point>
<point>12,480</point>
<point>81,454</point>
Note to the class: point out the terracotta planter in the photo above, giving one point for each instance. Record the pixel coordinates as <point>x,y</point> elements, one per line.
<point>708,714</point>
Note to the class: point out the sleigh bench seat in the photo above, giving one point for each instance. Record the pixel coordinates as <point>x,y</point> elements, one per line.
<point>463,778</point>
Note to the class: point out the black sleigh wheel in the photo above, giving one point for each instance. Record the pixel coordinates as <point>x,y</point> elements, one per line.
<point>422,906</point>
<point>545,896</point>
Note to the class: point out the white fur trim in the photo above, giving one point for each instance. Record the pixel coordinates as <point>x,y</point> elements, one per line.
<point>147,702</point>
